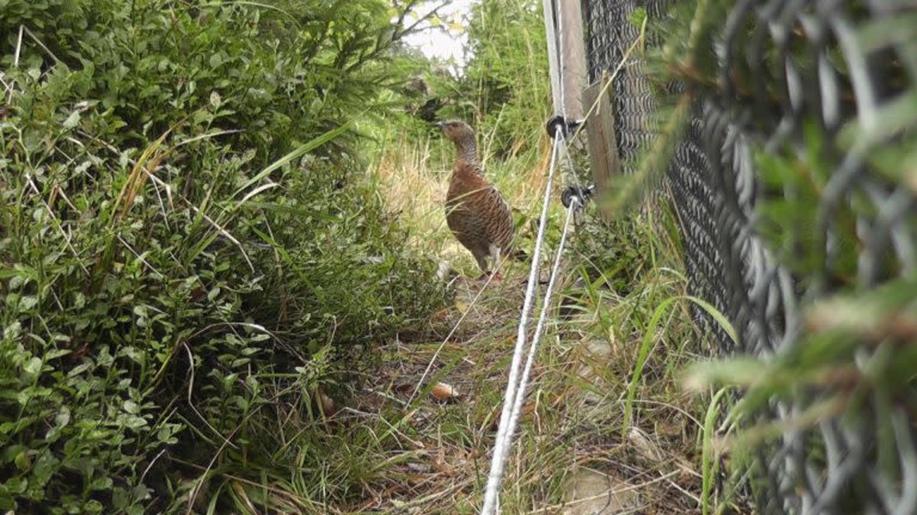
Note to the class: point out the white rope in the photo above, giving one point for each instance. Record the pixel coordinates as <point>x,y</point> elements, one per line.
<point>539,328</point>
<point>553,65</point>
<point>546,304</point>
<point>501,447</point>
<point>505,437</point>
<point>571,167</point>
<point>516,386</point>
<point>559,28</point>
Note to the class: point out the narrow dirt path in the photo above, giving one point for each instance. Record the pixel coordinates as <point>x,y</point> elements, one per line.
<point>443,441</point>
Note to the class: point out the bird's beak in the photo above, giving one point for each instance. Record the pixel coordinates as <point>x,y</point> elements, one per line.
<point>439,125</point>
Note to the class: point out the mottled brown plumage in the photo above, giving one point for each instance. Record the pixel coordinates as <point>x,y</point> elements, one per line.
<point>476,213</point>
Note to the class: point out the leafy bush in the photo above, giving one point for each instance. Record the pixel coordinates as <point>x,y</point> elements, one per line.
<point>184,244</point>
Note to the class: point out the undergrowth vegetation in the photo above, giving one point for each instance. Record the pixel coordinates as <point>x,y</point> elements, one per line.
<point>188,247</point>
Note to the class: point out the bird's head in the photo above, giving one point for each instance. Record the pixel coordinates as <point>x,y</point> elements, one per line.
<point>457,131</point>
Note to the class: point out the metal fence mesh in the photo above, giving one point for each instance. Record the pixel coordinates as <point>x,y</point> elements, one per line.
<point>610,33</point>
<point>830,88</point>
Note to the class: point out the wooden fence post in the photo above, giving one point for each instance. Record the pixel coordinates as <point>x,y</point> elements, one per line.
<point>567,59</point>
<point>603,144</point>
<point>573,57</point>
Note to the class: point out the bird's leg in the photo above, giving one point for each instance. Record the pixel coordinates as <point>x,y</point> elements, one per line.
<point>482,264</point>
<point>486,273</point>
<point>495,256</point>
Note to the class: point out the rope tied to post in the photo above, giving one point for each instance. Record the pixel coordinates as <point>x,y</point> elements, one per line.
<point>573,199</point>
<point>559,129</point>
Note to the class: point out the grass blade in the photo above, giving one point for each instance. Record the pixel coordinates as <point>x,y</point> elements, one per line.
<point>295,153</point>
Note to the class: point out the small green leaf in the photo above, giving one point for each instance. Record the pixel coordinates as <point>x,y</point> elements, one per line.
<point>32,366</point>
<point>23,462</point>
<point>12,331</point>
<point>57,353</point>
<point>102,483</point>
<point>72,121</point>
<point>131,407</point>
<point>79,369</point>
<point>62,418</point>
<point>637,17</point>
<point>27,302</point>
<point>16,485</point>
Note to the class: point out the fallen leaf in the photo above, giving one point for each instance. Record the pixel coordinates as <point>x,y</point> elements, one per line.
<point>444,392</point>
<point>325,403</point>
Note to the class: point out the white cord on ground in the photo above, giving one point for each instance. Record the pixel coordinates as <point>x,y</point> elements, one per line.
<point>539,328</point>
<point>452,331</point>
<point>501,449</point>
<point>516,386</point>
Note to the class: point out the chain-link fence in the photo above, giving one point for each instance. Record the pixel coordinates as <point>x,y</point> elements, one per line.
<point>610,32</point>
<point>795,180</point>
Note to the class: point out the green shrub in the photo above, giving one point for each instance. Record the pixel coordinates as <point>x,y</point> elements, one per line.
<point>185,242</point>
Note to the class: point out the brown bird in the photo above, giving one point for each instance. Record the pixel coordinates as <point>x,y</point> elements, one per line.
<point>476,213</point>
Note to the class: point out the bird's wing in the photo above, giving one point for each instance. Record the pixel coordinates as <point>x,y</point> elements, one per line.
<point>499,217</point>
